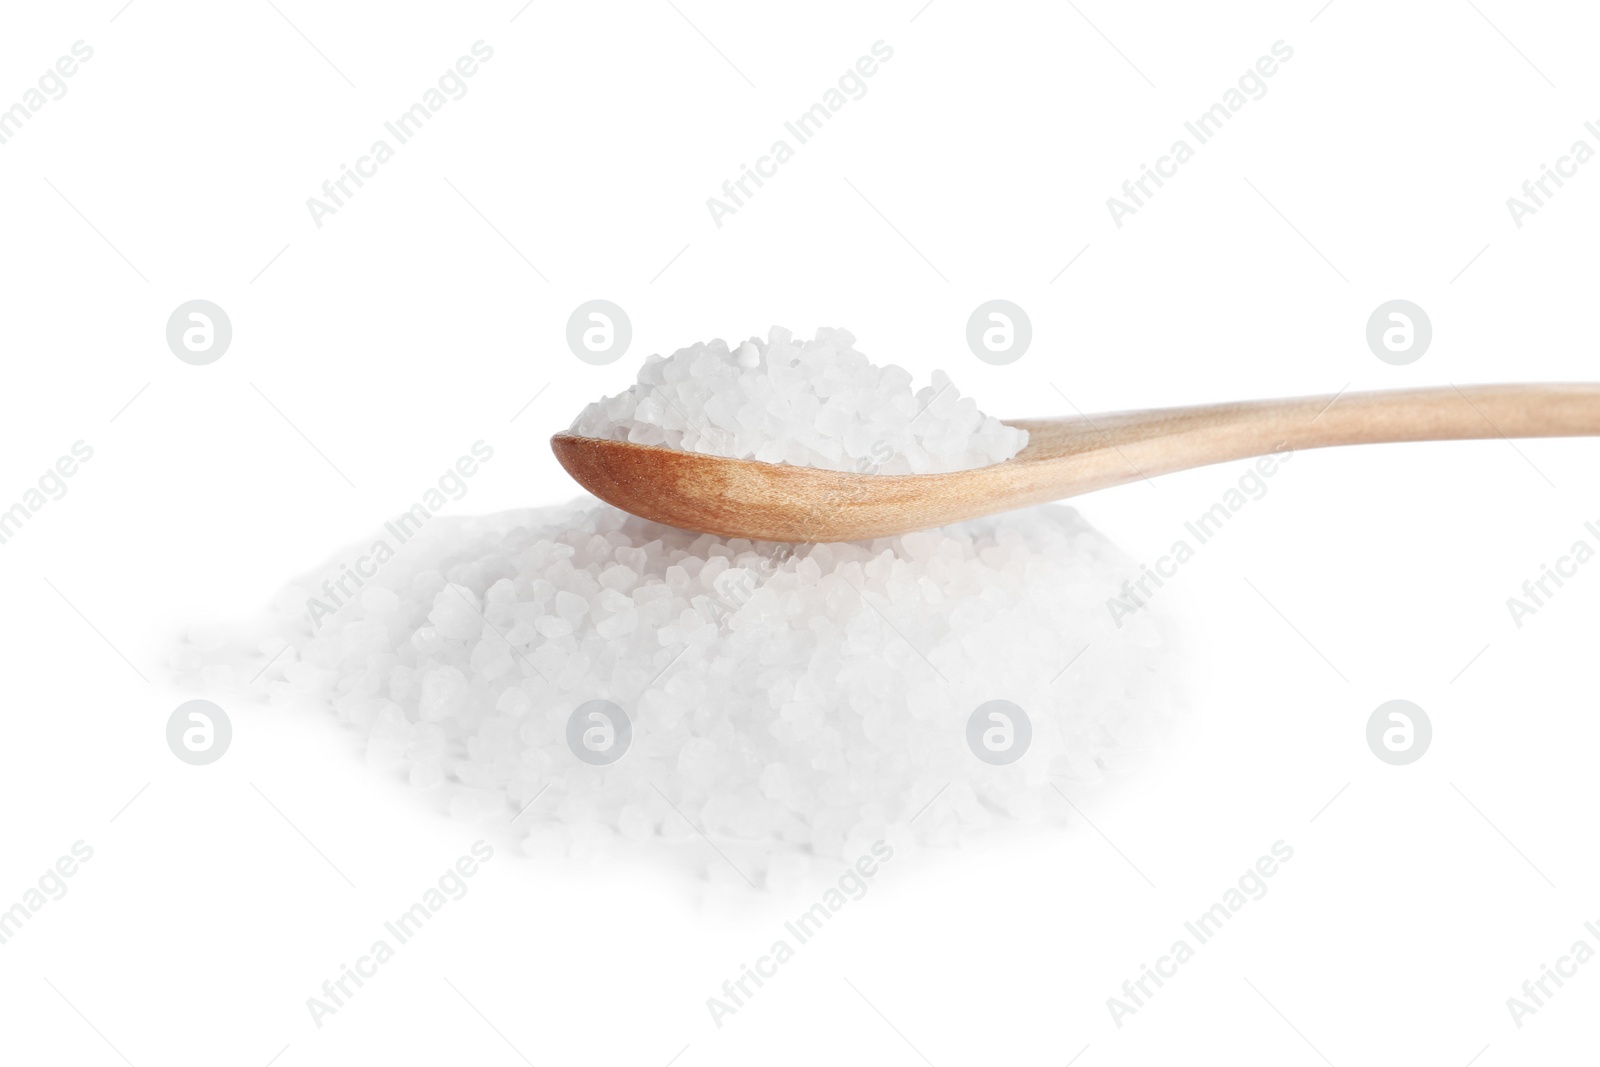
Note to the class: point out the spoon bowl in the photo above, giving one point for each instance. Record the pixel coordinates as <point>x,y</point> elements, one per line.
<point>1064,457</point>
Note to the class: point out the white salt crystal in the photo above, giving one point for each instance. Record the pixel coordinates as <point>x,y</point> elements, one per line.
<point>443,691</point>
<point>816,403</point>
<point>455,612</point>
<point>819,701</point>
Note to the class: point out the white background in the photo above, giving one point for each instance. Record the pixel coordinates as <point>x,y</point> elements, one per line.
<point>415,321</point>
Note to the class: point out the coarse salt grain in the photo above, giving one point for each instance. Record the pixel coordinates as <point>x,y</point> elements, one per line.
<point>793,703</point>
<point>816,403</point>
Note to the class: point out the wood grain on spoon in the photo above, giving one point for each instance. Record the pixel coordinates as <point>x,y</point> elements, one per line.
<point>1064,457</point>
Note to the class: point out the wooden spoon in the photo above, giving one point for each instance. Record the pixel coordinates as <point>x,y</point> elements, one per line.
<point>1064,457</point>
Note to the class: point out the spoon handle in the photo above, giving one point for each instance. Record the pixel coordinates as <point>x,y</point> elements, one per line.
<point>1096,451</point>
